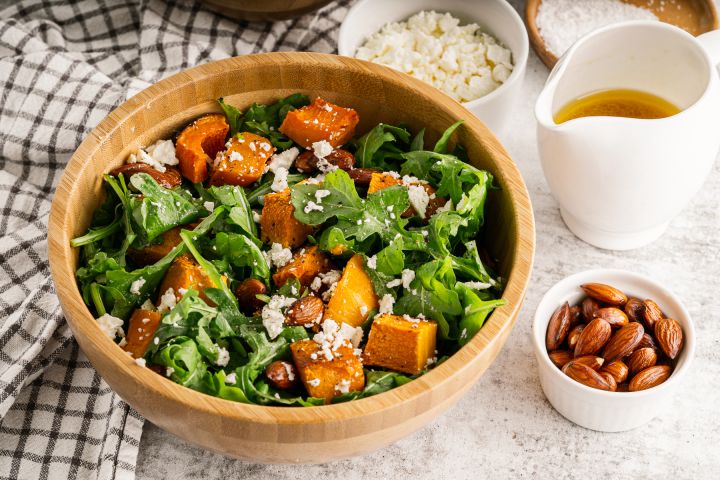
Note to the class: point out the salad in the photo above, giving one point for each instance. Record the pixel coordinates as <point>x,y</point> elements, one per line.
<point>271,256</point>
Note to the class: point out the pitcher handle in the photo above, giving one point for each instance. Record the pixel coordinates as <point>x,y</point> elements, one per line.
<point>710,41</point>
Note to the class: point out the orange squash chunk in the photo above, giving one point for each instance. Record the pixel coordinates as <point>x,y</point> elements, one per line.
<point>305,266</point>
<point>153,253</point>
<point>198,144</point>
<point>185,273</point>
<point>243,163</point>
<point>141,330</point>
<point>325,378</point>
<point>278,225</point>
<point>320,121</point>
<point>399,344</point>
<point>354,296</point>
<point>380,181</point>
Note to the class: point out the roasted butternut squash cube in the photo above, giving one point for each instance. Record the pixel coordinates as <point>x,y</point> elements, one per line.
<point>399,344</point>
<point>305,265</point>
<point>318,121</point>
<point>198,144</point>
<point>278,225</point>
<point>141,330</point>
<point>327,378</point>
<point>380,181</point>
<point>185,273</point>
<point>243,163</point>
<point>354,296</point>
<point>153,253</point>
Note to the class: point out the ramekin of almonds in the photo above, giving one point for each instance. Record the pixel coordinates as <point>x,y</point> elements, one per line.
<point>474,51</point>
<point>612,347</point>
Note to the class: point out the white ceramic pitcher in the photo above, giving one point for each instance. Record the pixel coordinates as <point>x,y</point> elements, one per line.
<point>619,181</point>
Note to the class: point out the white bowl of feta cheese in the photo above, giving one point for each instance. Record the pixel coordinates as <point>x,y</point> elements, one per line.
<point>474,51</point>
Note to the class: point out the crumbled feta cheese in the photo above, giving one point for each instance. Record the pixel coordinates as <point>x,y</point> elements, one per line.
<point>231,379</point>
<point>393,283</point>
<point>235,156</point>
<point>136,286</point>
<point>322,149</point>
<point>343,386</point>
<point>169,371</point>
<point>316,180</point>
<point>156,341</point>
<point>282,160</point>
<point>223,356</point>
<point>273,316</point>
<point>312,206</point>
<point>320,194</point>
<point>147,305</point>
<point>386,303</point>
<point>477,285</point>
<point>140,361</point>
<point>289,370</point>
<point>256,216</point>
<point>157,155</point>
<point>209,206</point>
<point>278,256</point>
<point>419,199</point>
<point>111,326</point>
<point>407,276</point>
<point>372,262</point>
<point>314,382</point>
<point>167,301</point>
<point>280,180</point>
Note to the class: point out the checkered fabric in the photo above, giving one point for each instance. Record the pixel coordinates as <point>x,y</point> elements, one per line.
<point>63,67</point>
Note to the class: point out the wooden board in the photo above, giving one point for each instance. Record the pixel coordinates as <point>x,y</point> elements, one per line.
<point>277,434</point>
<point>693,16</point>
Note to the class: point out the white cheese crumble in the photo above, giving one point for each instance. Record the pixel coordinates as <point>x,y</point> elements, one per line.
<point>256,216</point>
<point>167,301</point>
<point>140,361</point>
<point>289,370</point>
<point>157,155</point>
<point>312,206</point>
<point>273,316</point>
<point>231,379</point>
<point>169,371</point>
<point>223,356</point>
<point>333,336</point>
<point>329,279</point>
<point>111,326</point>
<point>235,156</point>
<point>136,286</point>
<point>407,276</point>
<point>343,386</point>
<point>209,206</point>
<point>320,194</point>
<point>459,59</point>
<point>147,305</point>
<point>322,149</point>
<point>282,160</point>
<point>386,304</point>
<point>314,382</point>
<point>477,285</point>
<point>280,180</point>
<point>278,256</point>
<point>372,262</point>
<point>419,199</point>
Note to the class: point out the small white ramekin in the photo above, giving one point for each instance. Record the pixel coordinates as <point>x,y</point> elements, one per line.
<point>496,17</point>
<point>598,409</point>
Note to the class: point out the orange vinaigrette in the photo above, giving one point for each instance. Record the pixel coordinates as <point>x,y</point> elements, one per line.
<point>617,103</point>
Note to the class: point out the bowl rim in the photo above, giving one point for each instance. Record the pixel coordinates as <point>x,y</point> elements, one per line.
<point>569,286</point>
<point>520,57</point>
<point>81,321</point>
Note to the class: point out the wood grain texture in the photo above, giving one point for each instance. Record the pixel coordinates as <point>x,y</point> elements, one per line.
<point>277,434</point>
<point>264,10</point>
<point>693,16</point>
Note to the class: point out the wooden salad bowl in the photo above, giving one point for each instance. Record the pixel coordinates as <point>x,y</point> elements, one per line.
<point>264,10</point>
<point>296,434</point>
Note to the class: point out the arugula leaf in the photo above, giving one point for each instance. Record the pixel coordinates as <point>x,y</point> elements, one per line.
<point>418,142</point>
<point>210,270</point>
<point>343,200</point>
<point>159,209</point>
<point>333,240</point>
<point>369,147</point>
<point>239,208</point>
<point>375,382</point>
<point>120,188</point>
<point>242,251</point>
<point>391,259</point>
<point>475,312</point>
<point>379,281</point>
<point>182,355</point>
<point>234,116</point>
<point>442,145</point>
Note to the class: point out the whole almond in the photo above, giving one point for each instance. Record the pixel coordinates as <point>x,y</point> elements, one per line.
<point>634,309</point>
<point>622,387</point>
<point>593,338</point>
<point>585,375</point>
<point>617,369</point>
<point>591,361</point>
<point>610,380</point>
<point>651,314</point>
<point>589,306</point>
<point>647,342</point>
<point>641,359</point>
<point>574,335</point>
<point>648,378</point>
<point>558,327</point>
<point>605,294</point>
<point>614,316</point>
<point>623,342</point>
<point>306,312</point>
<point>575,315</point>
<point>560,357</point>
<point>669,336</point>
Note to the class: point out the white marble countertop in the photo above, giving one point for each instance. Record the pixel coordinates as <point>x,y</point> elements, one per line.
<point>504,427</point>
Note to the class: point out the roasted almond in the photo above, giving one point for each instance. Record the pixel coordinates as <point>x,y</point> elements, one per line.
<point>591,361</point>
<point>573,336</point>
<point>560,357</point>
<point>246,293</point>
<point>610,380</point>
<point>306,312</point>
<point>669,336</point>
<point>617,369</point>
<point>558,327</point>
<point>623,342</point>
<point>651,314</point>
<point>575,315</point>
<point>647,342</point>
<point>641,359</point>
<point>589,306</point>
<point>593,338</point>
<point>605,294</point>
<point>614,316</point>
<point>648,378</point>
<point>634,309</point>
<point>585,375</point>
<point>282,375</point>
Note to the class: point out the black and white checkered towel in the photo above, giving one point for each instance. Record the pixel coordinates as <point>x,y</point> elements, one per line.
<point>63,67</point>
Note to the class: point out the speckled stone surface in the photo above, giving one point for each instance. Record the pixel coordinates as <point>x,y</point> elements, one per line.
<point>504,427</point>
